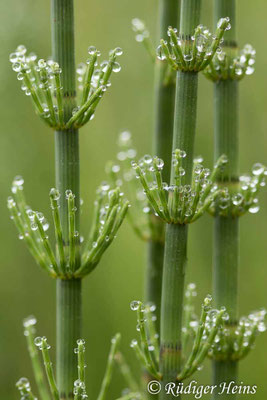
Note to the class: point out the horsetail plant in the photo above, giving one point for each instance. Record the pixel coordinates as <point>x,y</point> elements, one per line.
<point>226,70</point>
<point>164,87</point>
<point>79,385</point>
<point>71,262</point>
<point>173,342</point>
<point>203,331</point>
<point>185,57</point>
<point>52,86</point>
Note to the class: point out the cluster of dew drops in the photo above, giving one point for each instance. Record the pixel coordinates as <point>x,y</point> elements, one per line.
<point>24,387</point>
<point>141,32</point>
<point>105,191</point>
<point>17,184</point>
<point>28,63</point>
<point>125,155</point>
<point>254,322</point>
<point>248,188</point>
<point>145,308</point>
<point>203,39</point>
<point>81,68</point>
<point>241,65</point>
<point>146,163</point>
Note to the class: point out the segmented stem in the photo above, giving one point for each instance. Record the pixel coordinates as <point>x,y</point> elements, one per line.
<point>67,178</point>
<point>162,145</point>
<point>176,235</point>
<point>226,228</point>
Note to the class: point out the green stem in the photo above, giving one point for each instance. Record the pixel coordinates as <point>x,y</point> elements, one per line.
<point>226,228</point>
<point>226,257</point>
<point>226,127</point>
<point>67,174</point>
<point>224,371</point>
<point>36,365</point>
<point>172,301</point>
<point>67,177</point>
<point>190,16</point>
<point>164,90</point>
<point>68,332</point>
<point>162,145</point>
<point>175,254</point>
<point>185,118</point>
<point>153,283</point>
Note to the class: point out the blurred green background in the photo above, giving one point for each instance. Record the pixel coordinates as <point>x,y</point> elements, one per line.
<point>27,148</point>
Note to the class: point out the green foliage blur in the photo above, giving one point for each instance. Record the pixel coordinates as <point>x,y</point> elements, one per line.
<point>26,148</point>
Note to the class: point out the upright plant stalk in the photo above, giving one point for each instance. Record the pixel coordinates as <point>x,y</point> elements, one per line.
<point>175,254</point>
<point>226,228</point>
<point>162,145</point>
<point>67,177</point>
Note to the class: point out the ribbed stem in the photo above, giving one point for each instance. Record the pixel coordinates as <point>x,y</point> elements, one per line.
<point>67,177</point>
<point>66,142</point>
<point>190,16</point>
<point>226,126</point>
<point>226,229</point>
<point>175,257</point>
<point>67,174</point>
<point>68,331</point>
<point>224,371</point>
<point>154,266</point>
<point>164,90</point>
<point>175,254</point>
<point>185,118</point>
<point>162,146</point>
<point>226,257</point>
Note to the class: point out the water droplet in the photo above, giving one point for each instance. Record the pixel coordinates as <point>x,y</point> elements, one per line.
<point>134,164</point>
<point>201,42</point>
<point>81,69</point>
<point>159,163</point>
<point>181,171</point>
<point>116,67</point>
<point>160,53</point>
<point>40,216</point>
<point>254,208</point>
<point>29,321</point>
<point>34,226</point>
<point>92,50</point>
<point>105,186</point>
<point>23,383</point>
<point>68,194</point>
<point>38,341</point>
<point>188,57</point>
<point>118,51</point>
<point>262,327</point>
<point>147,159</point>
<point>124,138</point>
<point>54,193</point>
<point>133,343</point>
<point>135,305</point>
<point>257,169</point>
<point>13,57</point>
<point>121,156</point>
<point>238,199</point>
<point>137,25</point>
